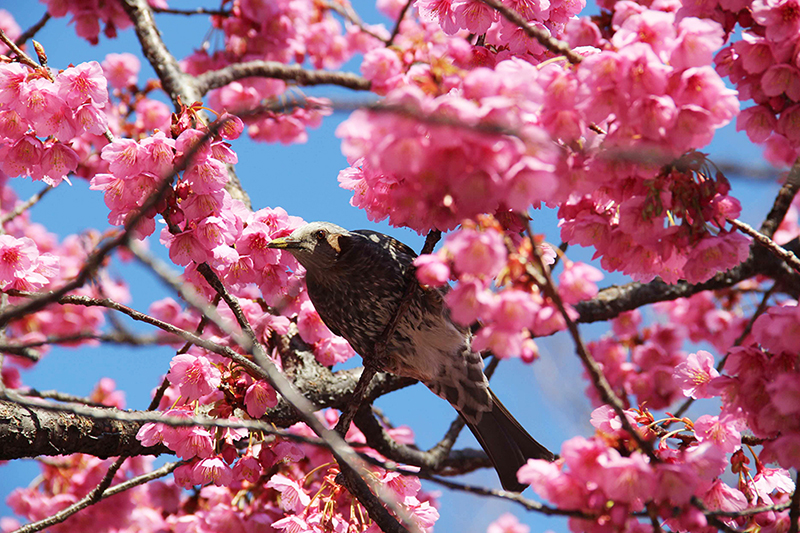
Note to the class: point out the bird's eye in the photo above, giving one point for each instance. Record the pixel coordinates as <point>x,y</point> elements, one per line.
<point>321,235</point>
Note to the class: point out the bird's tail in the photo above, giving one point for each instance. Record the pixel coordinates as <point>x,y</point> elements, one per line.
<point>507,444</point>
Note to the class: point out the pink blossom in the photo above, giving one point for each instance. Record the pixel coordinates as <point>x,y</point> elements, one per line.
<point>503,343</point>
<point>695,374</point>
<point>478,253</point>
<point>82,82</point>
<point>577,282</point>
<point>781,17</point>
<point>697,40</point>
<point>91,120</point>
<point>58,160</point>
<point>188,442</point>
<point>253,242</point>
<point>332,350</point>
<point>125,157</point>
<point>440,11</point>
<point>758,122</point>
<point>194,375</point>
<point>293,497</point>
<point>259,397</point>
<point>152,115</point>
<point>785,393</point>
<point>716,254</point>
<point>310,325</point>
<point>778,328</point>
<point>212,470</point>
<point>676,483</point>
<point>781,79</point>
<point>383,68</point>
<point>185,247</point>
<point>291,524</point>
<point>627,479</point>
<point>206,175</point>
<point>423,513</point>
<point>468,300</point>
<point>507,523</point>
<point>23,157</point>
<point>150,434</point>
<point>512,310</point>
<point>707,460</point>
<point>432,270</point>
<point>247,468</point>
<point>17,256</point>
<point>474,15</point>
<point>627,323</point>
<point>722,432</point>
<point>721,497</point>
<point>121,70</point>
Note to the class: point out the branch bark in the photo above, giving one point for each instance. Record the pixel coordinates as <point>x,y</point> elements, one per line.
<point>27,431</point>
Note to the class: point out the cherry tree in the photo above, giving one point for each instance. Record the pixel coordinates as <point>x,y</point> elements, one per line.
<point>468,118</point>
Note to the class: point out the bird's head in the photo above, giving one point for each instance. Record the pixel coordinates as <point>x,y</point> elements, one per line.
<point>316,245</point>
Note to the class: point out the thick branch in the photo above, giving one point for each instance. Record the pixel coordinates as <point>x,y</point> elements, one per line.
<point>436,460</point>
<point>614,300</point>
<point>27,431</point>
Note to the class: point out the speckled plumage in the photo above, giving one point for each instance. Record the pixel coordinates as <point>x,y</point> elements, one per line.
<point>356,281</point>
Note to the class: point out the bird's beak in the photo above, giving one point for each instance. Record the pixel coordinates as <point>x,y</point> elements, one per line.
<point>283,243</point>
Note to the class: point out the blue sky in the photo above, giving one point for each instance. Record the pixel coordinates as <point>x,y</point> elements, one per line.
<point>546,397</point>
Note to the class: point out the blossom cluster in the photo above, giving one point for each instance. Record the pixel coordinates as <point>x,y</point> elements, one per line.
<point>281,475</point>
<point>640,362</point>
<point>396,154</point>
<point>592,476</point>
<point>760,384</point>
<point>285,32</point>
<point>87,15</point>
<point>58,106</point>
<point>766,70</point>
<point>495,288</point>
<point>515,135</point>
<point>32,259</point>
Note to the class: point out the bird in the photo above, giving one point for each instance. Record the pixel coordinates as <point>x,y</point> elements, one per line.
<point>357,281</point>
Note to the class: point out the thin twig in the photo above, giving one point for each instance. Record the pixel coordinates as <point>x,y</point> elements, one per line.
<point>515,497</point>
<point>195,11</point>
<point>542,36</point>
<point>594,370</point>
<point>351,16</point>
<point>22,57</point>
<point>782,201</point>
<point>59,396</point>
<point>214,79</point>
<point>776,249</point>
<point>97,495</point>
<point>400,17</point>
<point>33,30</point>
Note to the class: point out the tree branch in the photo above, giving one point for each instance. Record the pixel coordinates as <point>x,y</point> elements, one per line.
<point>33,30</point>
<point>542,36</point>
<point>100,492</point>
<point>215,79</point>
<point>177,84</point>
<point>30,430</point>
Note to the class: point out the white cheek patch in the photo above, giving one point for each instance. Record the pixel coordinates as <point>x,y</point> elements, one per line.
<point>333,240</point>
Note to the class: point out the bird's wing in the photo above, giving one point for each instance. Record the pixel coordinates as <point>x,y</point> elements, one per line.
<point>404,253</point>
